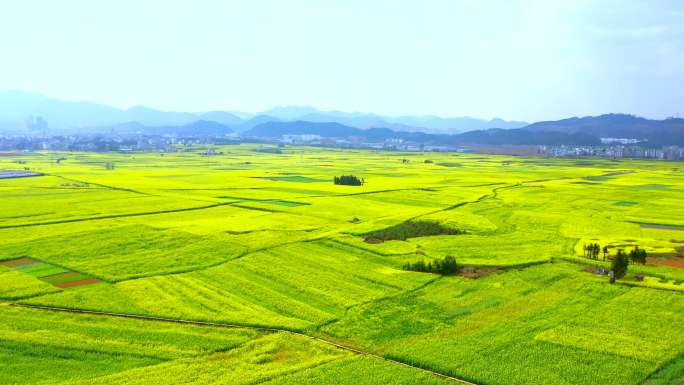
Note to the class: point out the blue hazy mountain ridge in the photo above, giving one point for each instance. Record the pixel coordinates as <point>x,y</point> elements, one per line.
<point>495,136</point>
<point>222,117</point>
<point>255,121</point>
<point>429,123</point>
<point>17,106</point>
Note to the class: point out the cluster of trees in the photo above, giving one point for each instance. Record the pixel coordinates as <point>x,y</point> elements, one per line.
<point>349,180</point>
<point>638,255</point>
<point>621,261</point>
<point>446,266</point>
<point>593,250</point>
<point>412,229</point>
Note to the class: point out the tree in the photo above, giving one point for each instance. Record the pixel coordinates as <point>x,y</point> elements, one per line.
<point>592,250</point>
<point>633,254</point>
<point>619,265</point>
<point>638,255</point>
<point>446,266</point>
<point>642,256</point>
<point>348,180</point>
<point>605,252</point>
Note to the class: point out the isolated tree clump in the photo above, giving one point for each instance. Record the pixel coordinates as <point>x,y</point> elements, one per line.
<point>446,266</point>
<point>411,229</point>
<point>348,180</point>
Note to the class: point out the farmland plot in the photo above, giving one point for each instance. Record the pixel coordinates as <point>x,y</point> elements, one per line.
<point>267,240</point>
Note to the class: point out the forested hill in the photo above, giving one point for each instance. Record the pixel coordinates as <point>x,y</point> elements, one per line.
<point>491,136</point>
<point>656,132</point>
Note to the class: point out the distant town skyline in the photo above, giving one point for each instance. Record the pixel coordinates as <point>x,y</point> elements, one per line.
<point>516,60</point>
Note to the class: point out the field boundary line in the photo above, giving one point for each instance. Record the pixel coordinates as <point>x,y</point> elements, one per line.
<point>101,185</point>
<point>114,216</point>
<point>237,326</point>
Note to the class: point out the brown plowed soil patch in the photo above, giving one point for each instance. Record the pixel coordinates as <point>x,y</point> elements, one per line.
<point>663,255</point>
<point>61,275</point>
<point>672,262</point>
<point>476,272</point>
<point>7,154</point>
<point>12,263</point>
<point>82,282</point>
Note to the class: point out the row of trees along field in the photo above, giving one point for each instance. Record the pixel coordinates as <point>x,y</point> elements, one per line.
<point>446,266</point>
<point>349,180</point>
<point>636,255</point>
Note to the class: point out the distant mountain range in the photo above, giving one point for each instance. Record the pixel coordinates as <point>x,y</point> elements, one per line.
<point>17,106</point>
<point>19,112</point>
<point>490,136</point>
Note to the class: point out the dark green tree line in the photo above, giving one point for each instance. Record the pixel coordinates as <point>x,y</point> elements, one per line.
<point>348,180</point>
<point>446,266</point>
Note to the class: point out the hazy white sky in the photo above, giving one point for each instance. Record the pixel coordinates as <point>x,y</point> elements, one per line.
<point>528,60</point>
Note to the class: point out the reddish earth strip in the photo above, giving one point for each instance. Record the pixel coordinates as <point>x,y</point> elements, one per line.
<point>82,282</point>
<point>66,274</point>
<point>672,262</point>
<point>19,262</point>
<point>663,255</point>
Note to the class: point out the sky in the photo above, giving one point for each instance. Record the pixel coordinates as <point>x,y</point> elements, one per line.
<point>518,60</point>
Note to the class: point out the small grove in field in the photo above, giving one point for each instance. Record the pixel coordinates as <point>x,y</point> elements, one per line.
<point>444,266</point>
<point>348,180</point>
<point>411,229</point>
<point>262,240</point>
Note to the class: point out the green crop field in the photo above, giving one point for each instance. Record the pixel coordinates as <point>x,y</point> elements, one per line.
<point>251,267</point>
